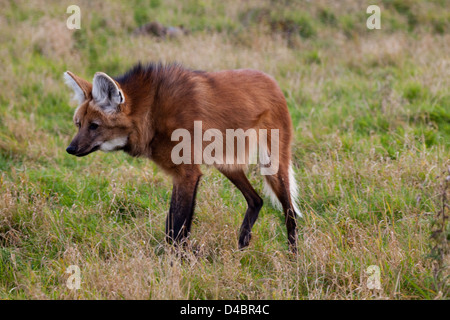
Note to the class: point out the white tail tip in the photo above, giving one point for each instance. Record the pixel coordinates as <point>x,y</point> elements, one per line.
<point>293,190</point>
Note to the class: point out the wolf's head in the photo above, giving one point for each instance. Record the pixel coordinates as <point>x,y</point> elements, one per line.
<point>101,116</point>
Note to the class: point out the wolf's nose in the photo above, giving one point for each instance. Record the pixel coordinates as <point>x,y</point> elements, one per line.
<point>71,149</point>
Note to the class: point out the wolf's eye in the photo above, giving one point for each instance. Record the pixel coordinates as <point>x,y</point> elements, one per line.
<point>93,126</point>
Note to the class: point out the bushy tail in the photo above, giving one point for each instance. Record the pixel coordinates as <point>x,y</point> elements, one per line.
<point>293,190</point>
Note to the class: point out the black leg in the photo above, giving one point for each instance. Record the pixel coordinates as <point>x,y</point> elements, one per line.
<point>254,202</point>
<point>182,204</point>
<point>281,190</point>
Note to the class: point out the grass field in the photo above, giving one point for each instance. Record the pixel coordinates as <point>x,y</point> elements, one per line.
<point>371,112</point>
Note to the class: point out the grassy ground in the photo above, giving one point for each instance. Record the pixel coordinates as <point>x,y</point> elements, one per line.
<point>371,112</point>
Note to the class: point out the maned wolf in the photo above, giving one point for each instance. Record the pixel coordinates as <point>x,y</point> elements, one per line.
<point>139,112</point>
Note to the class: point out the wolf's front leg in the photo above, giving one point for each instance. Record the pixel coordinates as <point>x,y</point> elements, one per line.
<point>182,204</point>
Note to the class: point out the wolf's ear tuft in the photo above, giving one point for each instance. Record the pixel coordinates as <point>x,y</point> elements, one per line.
<point>107,93</point>
<point>81,88</point>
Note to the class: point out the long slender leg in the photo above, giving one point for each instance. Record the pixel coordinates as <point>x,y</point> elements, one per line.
<point>182,204</point>
<point>280,185</point>
<point>254,203</point>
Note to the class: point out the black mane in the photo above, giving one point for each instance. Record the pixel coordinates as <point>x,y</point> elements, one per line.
<point>148,71</point>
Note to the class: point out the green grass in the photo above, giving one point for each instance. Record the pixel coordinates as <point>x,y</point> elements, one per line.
<point>370,109</point>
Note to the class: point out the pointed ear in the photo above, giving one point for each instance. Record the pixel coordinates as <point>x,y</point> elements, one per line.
<point>81,88</point>
<point>107,93</point>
